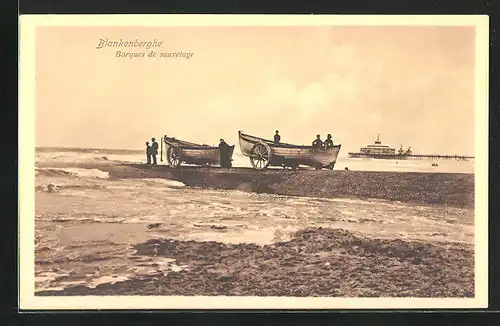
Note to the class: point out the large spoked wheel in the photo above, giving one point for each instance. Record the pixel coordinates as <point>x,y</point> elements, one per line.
<point>174,156</point>
<point>260,156</point>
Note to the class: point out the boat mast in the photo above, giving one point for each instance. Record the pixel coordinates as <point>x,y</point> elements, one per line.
<point>161,148</point>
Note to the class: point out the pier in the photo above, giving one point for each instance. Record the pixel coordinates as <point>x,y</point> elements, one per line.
<point>412,156</point>
<point>380,151</point>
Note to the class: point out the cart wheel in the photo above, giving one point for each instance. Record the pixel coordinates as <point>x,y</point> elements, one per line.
<point>260,156</point>
<point>174,156</point>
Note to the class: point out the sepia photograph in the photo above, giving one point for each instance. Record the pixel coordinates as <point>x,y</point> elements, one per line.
<point>253,162</point>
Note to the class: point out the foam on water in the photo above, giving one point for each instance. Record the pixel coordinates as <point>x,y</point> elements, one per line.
<point>129,267</point>
<point>166,182</point>
<point>370,164</point>
<point>91,196</point>
<point>73,172</point>
<point>237,213</point>
<point>82,157</point>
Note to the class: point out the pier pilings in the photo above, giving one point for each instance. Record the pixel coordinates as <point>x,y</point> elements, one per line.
<point>413,157</point>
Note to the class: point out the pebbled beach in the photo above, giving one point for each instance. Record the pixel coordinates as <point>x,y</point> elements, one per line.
<point>315,262</point>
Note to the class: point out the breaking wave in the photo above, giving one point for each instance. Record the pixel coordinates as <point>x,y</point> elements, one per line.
<point>72,172</point>
<point>166,182</point>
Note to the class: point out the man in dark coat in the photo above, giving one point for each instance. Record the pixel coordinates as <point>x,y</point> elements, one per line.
<point>154,150</point>
<point>224,154</point>
<point>317,143</point>
<point>277,137</point>
<point>328,142</point>
<point>148,153</point>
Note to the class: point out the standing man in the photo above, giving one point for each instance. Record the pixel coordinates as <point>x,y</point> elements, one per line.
<point>148,153</point>
<point>224,153</point>
<point>154,150</point>
<point>317,143</point>
<point>277,138</point>
<point>328,142</point>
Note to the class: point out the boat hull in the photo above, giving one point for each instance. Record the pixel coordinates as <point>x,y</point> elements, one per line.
<point>191,153</point>
<point>291,155</point>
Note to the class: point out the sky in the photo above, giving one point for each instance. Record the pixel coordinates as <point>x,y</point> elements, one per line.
<point>412,85</point>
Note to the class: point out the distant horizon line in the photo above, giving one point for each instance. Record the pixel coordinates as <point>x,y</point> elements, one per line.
<point>86,148</point>
<point>137,150</point>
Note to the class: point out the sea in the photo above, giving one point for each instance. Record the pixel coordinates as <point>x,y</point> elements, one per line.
<point>86,223</point>
<point>83,155</point>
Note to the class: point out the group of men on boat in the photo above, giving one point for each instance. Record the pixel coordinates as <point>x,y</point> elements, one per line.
<point>317,143</point>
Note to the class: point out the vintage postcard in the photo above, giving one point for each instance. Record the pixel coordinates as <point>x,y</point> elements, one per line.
<point>253,162</point>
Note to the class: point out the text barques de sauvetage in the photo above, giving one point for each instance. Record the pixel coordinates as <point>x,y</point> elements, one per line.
<point>137,44</point>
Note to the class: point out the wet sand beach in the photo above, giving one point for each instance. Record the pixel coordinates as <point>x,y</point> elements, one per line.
<point>143,230</point>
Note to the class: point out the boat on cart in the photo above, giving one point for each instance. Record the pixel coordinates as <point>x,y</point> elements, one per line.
<point>264,153</point>
<point>180,151</point>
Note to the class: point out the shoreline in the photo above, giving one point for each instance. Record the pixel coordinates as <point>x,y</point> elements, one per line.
<point>452,189</point>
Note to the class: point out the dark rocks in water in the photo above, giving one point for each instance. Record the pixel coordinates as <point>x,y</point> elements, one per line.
<point>225,278</point>
<point>218,227</point>
<point>52,188</point>
<point>213,226</point>
<point>153,226</point>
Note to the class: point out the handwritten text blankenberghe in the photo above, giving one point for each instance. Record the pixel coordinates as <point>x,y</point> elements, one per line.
<point>135,43</point>
<point>104,43</point>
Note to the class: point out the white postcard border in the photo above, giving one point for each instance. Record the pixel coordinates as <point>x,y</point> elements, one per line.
<point>27,299</point>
